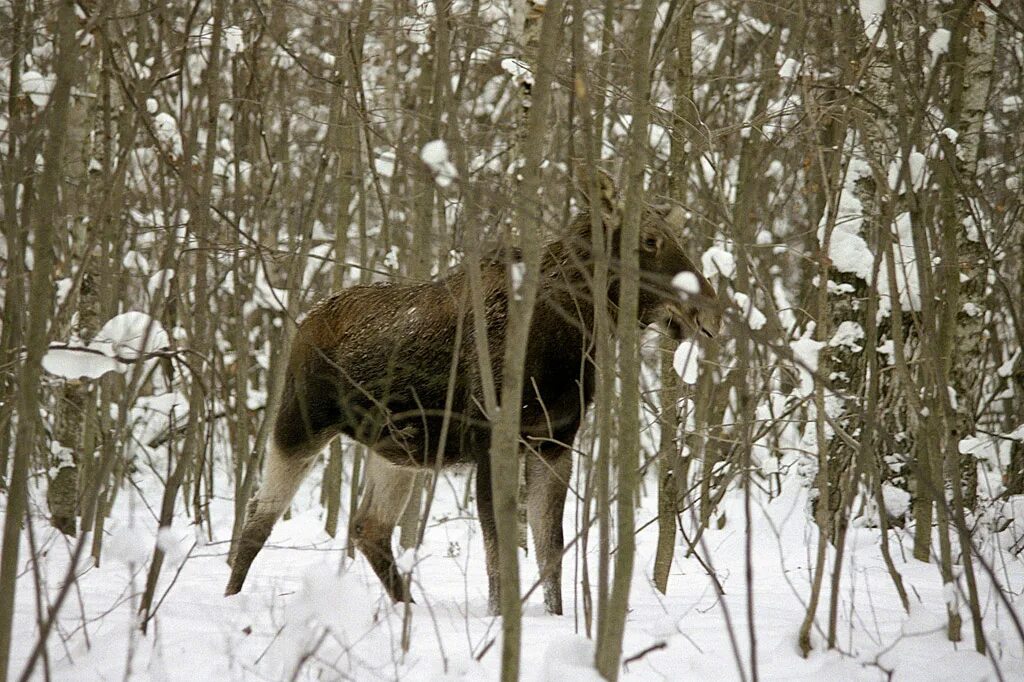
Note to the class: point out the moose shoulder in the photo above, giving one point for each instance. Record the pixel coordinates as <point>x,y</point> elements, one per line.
<point>395,367</point>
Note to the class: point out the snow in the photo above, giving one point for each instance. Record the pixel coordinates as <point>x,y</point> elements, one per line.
<point>516,273</point>
<point>848,335</point>
<point>166,130</point>
<point>897,500</point>
<point>686,361</point>
<point>519,70</point>
<point>435,155</point>
<point>950,135</point>
<point>38,86</point>
<point>132,335</point>
<point>135,262</point>
<point>985,448</point>
<point>124,338</point>
<point>718,261</point>
<point>847,249</point>
<point>754,318</point>
<point>233,40</point>
<point>871,12</point>
<point>917,164</point>
<point>938,43</point>
<point>384,163</point>
<point>159,281</point>
<point>686,283</point>
<point>907,284</point>
<point>308,612</point>
<point>569,657</point>
<point>790,69</point>
<point>76,364</point>
<point>971,309</point>
<point>805,352</point>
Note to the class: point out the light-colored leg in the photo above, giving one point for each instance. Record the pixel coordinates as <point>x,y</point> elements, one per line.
<point>385,495</point>
<point>547,481</point>
<point>281,479</point>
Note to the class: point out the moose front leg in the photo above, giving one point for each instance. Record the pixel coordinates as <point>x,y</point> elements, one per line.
<point>547,481</point>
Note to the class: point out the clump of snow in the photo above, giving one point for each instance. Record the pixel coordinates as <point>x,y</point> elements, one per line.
<point>391,258</point>
<point>754,317</point>
<point>168,542</point>
<point>907,285</point>
<point>938,43</point>
<point>38,87</point>
<point>152,106</point>
<point>846,248</point>
<point>848,335</point>
<point>950,135</point>
<point>984,448</point>
<point>519,70</point>
<point>317,602</point>
<point>406,561</point>
<point>166,130</point>
<point>686,361</point>
<point>435,155</point>
<point>134,261</point>
<point>266,295</point>
<point>123,338</point>
<point>916,166</point>
<point>897,500</point>
<point>159,281</point>
<point>805,352</point>
<point>871,12</point>
<point>516,272</point>
<point>971,309</point>
<point>132,335</point>
<point>790,69</point>
<point>70,363</point>
<point>384,163</point>
<point>232,40</point>
<point>718,261</point>
<point>686,283</point>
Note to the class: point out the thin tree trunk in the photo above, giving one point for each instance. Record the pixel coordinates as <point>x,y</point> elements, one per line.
<point>40,309</point>
<point>609,645</point>
<point>670,470</point>
<point>504,454</point>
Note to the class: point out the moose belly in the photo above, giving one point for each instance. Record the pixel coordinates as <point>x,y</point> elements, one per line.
<point>553,418</point>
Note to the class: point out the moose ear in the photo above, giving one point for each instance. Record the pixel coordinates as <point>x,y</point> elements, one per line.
<point>607,194</point>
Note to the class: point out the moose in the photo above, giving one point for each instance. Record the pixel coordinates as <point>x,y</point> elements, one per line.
<point>395,367</point>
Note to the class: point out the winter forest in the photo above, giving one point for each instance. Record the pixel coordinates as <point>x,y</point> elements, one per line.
<point>791,353</point>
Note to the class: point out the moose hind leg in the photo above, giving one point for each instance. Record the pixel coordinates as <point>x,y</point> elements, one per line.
<point>284,473</point>
<point>547,481</point>
<point>489,528</point>
<point>386,493</point>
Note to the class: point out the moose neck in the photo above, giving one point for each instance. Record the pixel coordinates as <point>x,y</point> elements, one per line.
<point>568,274</point>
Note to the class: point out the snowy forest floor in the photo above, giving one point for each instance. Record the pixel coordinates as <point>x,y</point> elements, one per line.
<point>299,618</point>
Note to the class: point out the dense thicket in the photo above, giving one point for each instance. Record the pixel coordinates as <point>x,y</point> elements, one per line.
<point>181,181</point>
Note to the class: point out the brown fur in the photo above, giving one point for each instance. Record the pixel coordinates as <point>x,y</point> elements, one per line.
<point>373,363</point>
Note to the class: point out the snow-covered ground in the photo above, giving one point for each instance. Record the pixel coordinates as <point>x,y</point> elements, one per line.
<point>307,612</point>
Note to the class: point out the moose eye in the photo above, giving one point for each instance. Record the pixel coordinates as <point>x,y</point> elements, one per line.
<point>651,243</point>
